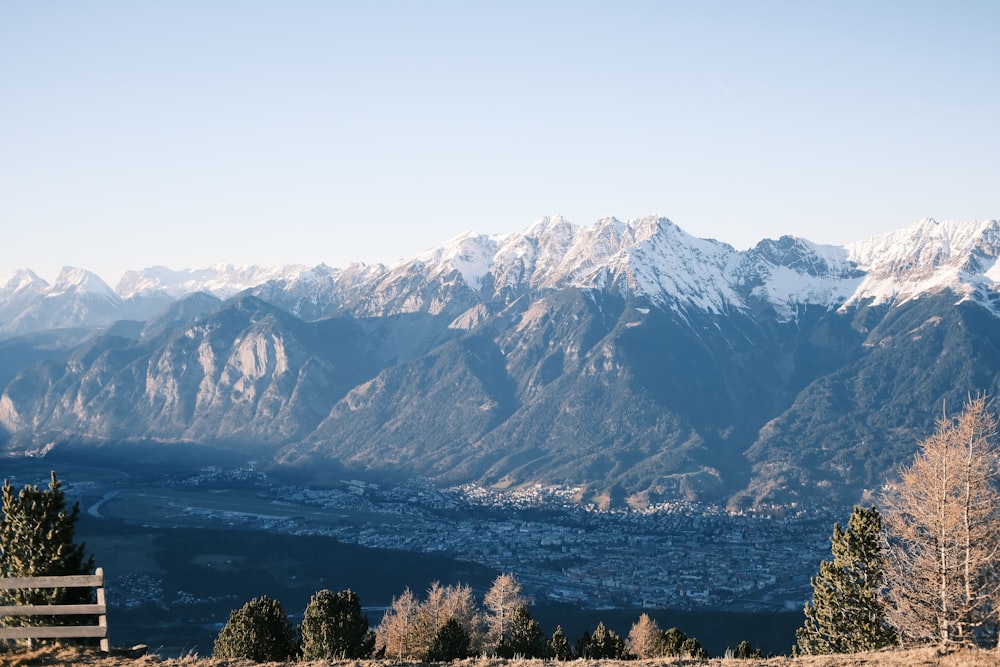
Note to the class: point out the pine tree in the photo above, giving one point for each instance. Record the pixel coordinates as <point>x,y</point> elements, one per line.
<point>746,651</point>
<point>333,627</point>
<point>526,638</point>
<point>692,648</point>
<point>604,643</point>
<point>258,631</point>
<point>450,642</point>
<point>36,540</point>
<point>673,639</point>
<point>678,644</point>
<point>559,648</point>
<point>847,614</point>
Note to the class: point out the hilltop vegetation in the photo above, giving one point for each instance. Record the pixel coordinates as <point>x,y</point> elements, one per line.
<point>953,474</point>
<point>923,657</point>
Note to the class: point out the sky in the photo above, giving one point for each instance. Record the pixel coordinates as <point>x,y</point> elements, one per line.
<point>187,133</point>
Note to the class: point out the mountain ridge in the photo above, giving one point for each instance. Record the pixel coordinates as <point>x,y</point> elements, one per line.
<point>629,358</point>
<point>650,256</point>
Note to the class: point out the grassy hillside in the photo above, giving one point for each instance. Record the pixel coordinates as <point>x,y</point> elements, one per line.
<point>924,657</point>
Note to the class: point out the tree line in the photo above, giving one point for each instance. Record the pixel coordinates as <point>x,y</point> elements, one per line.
<point>924,570</point>
<point>446,624</point>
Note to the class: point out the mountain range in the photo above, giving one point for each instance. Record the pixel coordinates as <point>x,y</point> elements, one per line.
<point>629,359</point>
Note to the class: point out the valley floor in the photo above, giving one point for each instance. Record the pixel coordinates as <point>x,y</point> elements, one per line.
<point>923,657</point>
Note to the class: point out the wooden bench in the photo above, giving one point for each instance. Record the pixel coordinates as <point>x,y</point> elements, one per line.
<point>100,630</point>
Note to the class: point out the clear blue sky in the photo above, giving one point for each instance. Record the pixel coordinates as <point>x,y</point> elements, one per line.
<point>185,133</point>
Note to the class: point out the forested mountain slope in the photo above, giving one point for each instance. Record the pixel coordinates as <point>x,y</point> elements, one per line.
<point>627,358</point>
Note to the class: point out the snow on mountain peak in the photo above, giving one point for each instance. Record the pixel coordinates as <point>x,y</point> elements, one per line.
<point>532,257</point>
<point>655,259</point>
<point>469,253</point>
<point>791,272</point>
<point>928,256</point>
<point>21,281</point>
<point>670,267</point>
<point>650,258</point>
<point>80,281</point>
<point>222,280</point>
<point>550,226</point>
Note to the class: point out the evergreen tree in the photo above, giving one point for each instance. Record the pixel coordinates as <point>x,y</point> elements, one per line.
<point>258,631</point>
<point>692,648</point>
<point>37,540</point>
<point>604,643</point>
<point>846,614</point>
<point>451,642</point>
<point>746,651</point>
<point>559,648</point>
<point>675,644</point>
<point>583,647</point>
<point>526,638</point>
<point>333,627</point>
<point>673,639</point>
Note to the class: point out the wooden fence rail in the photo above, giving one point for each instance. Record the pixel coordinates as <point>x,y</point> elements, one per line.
<point>100,610</point>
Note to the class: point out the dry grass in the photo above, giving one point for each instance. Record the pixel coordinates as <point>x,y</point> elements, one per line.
<point>924,657</point>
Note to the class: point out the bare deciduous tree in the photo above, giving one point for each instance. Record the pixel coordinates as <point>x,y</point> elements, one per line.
<point>501,600</point>
<point>942,523</point>
<point>645,639</point>
<point>396,633</point>
<point>451,603</point>
<point>409,626</point>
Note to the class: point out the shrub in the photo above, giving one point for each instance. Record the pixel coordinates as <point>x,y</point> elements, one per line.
<point>333,627</point>
<point>258,631</point>
<point>746,651</point>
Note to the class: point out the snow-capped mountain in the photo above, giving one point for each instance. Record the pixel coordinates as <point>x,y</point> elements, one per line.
<point>648,258</point>
<point>929,257</point>
<point>78,297</point>
<point>654,259</point>
<point>620,354</point>
<point>221,280</point>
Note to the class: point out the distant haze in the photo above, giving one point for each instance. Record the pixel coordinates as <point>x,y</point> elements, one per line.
<point>186,134</point>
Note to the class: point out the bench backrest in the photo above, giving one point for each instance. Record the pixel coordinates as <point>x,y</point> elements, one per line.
<point>100,609</point>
